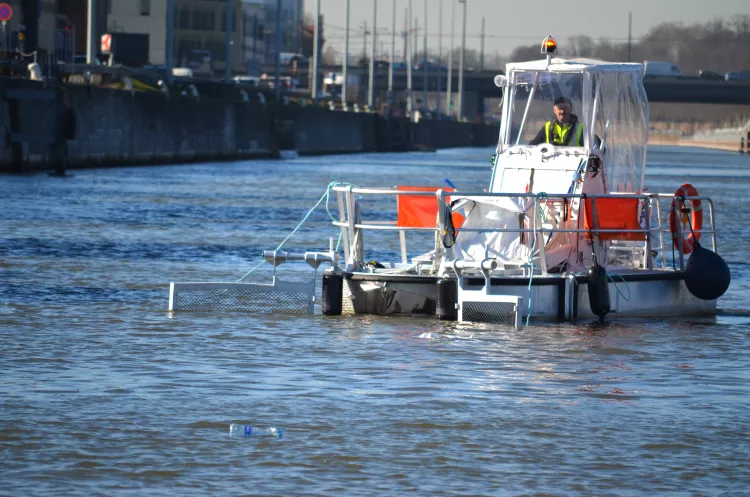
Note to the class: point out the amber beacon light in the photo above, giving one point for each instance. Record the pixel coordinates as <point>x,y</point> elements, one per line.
<point>549,45</point>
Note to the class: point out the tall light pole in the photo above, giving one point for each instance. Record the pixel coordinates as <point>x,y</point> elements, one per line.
<point>461,65</point>
<point>278,50</point>
<point>228,45</point>
<point>440,57</point>
<point>630,33</point>
<point>169,55</point>
<point>91,33</point>
<point>371,87</point>
<point>346,56</point>
<point>393,56</point>
<point>481,51</point>
<point>406,32</point>
<point>426,77</point>
<point>450,61</point>
<point>409,99</point>
<point>316,36</point>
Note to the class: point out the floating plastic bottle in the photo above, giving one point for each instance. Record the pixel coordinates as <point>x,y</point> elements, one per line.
<point>236,430</point>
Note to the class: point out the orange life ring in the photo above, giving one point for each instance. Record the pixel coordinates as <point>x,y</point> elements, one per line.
<point>696,221</point>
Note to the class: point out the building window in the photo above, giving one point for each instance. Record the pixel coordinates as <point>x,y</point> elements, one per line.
<point>145,7</point>
<point>184,18</point>
<point>203,20</point>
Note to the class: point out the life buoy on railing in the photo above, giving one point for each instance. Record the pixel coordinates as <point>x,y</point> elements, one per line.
<point>696,221</point>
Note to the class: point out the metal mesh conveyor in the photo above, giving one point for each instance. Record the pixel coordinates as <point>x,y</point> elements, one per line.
<point>490,312</point>
<point>280,296</point>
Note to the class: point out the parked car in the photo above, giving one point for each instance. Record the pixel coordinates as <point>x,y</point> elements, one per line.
<point>431,67</point>
<point>247,80</point>
<point>654,68</point>
<point>737,76</point>
<point>703,74</point>
<point>289,58</point>
<point>403,66</point>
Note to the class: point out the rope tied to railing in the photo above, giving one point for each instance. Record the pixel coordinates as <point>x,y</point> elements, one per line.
<point>537,230</point>
<point>326,197</point>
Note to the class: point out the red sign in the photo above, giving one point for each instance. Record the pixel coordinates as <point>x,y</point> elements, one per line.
<point>6,12</point>
<point>106,43</point>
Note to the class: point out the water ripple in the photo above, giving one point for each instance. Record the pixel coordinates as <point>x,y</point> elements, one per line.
<point>106,393</point>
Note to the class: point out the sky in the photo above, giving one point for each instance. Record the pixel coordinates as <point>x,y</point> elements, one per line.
<point>516,23</point>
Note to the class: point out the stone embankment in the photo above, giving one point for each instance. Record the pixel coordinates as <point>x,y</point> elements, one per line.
<point>59,127</point>
<point>736,139</point>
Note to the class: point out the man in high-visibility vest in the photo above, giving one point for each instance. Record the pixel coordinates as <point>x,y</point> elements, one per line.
<point>565,131</point>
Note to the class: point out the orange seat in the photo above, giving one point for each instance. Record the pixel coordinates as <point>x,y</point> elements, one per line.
<point>615,213</point>
<point>420,211</point>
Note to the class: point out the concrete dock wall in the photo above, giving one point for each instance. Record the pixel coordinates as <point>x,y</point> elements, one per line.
<point>320,131</point>
<point>116,127</point>
<point>119,127</point>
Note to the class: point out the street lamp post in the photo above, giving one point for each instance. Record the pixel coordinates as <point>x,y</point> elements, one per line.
<point>449,85</point>
<point>371,87</point>
<point>409,41</point>
<point>169,55</point>
<point>228,44</point>
<point>91,34</point>
<point>346,56</point>
<point>461,66</point>
<point>440,57</point>
<point>316,36</point>
<point>278,49</point>
<point>392,57</point>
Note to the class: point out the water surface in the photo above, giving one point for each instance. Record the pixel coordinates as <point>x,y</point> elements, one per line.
<point>106,393</point>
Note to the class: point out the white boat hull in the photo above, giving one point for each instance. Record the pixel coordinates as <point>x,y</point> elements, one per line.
<point>646,294</point>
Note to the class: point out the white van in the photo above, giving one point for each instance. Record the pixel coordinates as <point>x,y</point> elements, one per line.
<point>182,72</point>
<point>247,80</point>
<point>661,69</point>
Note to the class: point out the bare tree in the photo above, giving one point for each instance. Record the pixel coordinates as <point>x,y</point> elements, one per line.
<point>716,45</point>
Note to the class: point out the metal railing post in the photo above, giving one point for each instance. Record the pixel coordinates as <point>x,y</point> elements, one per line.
<point>660,230</point>
<point>678,219</point>
<point>343,219</point>
<point>595,232</point>
<point>648,263</point>
<point>713,226</point>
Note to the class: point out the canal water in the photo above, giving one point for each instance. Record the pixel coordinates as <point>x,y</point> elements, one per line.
<point>104,392</point>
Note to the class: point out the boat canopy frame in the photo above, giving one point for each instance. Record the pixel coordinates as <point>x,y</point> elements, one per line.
<point>608,98</point>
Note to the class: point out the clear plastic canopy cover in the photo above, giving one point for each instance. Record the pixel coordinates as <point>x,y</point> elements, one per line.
<point>608,99</point>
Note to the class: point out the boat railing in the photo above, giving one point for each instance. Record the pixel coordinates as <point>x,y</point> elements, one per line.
<point>655,237</point>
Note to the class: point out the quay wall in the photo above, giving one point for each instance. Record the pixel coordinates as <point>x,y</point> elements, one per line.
<point>116,127</point>
<point>119,127</point>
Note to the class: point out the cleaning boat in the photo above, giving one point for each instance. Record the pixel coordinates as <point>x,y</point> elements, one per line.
<point>562,232</point>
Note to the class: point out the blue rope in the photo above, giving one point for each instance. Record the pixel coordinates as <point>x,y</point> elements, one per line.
<point>627,287</point>
<point>325,197</point>
<point>539,196</point>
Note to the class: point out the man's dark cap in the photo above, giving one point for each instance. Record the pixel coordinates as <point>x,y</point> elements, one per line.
<point>563,100</point>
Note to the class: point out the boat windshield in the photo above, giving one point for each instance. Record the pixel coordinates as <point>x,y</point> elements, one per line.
<point>610,104</point>
<point>533,100</point>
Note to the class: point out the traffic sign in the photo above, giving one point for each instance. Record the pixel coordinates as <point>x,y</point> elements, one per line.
<point>106,43</point>
<point>6,12</point>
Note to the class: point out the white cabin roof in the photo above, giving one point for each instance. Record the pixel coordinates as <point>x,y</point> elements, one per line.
<point>575,66</point>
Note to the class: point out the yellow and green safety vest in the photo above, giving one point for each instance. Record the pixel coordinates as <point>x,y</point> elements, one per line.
<point>561,135</point>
